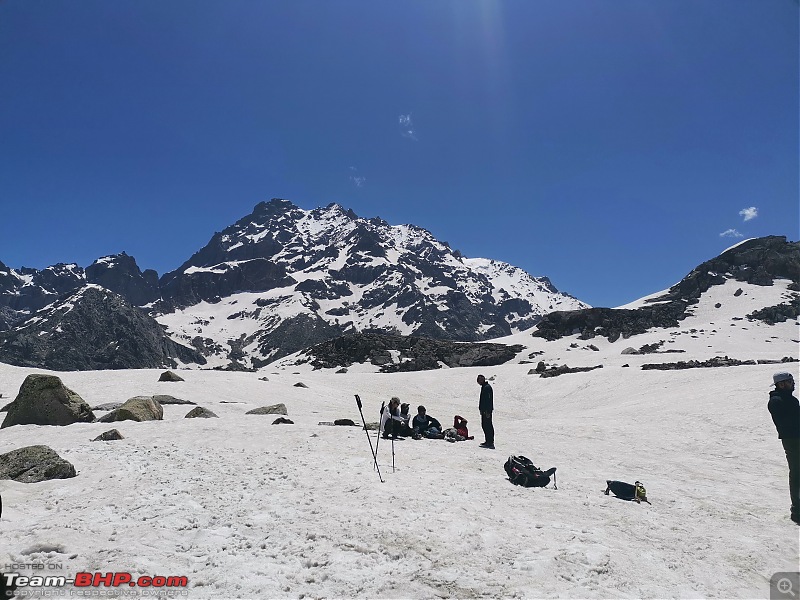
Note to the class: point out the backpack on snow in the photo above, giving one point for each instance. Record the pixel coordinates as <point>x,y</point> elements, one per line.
<point>521,471</point>
<point>626,491</point>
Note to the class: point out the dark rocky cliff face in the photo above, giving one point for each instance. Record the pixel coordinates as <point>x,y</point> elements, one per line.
<point>759,261</point>
<point>25,291</point>
<point>92,329</point>
<point>122,275</point>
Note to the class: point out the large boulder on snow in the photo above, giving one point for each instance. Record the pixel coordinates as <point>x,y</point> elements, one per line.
<point>138,408</point>
<point>170,376</point>
<point>109,436</point>
<point>32,464</point>
<point>45,400</point>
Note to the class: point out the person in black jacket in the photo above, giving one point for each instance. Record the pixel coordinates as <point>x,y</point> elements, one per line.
<point>486,406</point>
<point>426,426</point>
<point>785,411</point>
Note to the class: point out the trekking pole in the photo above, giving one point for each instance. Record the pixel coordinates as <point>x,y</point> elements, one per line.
<point>378,441</point>
<point>369,439</point>
<point>392,451</point>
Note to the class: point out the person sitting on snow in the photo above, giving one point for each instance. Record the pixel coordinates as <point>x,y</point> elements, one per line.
<point>405,425</point>
<point>391,420</point>
<point>425,425</point>
<point>458,432</point>
<point>460,425</point>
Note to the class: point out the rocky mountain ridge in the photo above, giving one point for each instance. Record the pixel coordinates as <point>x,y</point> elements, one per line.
<point>282,278</point>
<point>759,261</point>
<point>92,329</point>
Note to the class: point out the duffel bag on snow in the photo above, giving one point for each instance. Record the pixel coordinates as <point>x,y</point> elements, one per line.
<point>521,471</point>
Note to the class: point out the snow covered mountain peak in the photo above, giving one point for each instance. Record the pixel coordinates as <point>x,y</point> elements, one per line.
<point>299,277</point>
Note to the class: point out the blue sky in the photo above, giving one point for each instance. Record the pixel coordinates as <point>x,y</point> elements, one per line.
<point>607,145</point>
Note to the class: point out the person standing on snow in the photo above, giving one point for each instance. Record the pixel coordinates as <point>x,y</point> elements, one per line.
<point>785,411</point>
<point>486,406</point>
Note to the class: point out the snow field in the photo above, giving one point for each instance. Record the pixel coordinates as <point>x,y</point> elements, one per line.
<point>245,509</point>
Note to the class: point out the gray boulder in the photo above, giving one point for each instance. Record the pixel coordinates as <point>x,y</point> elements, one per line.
<point>170,376</point>
<point>282,421</point>
<point>32,464</point>
<point>164,399</point>
<point>45,400</point>
<point>138,408</point>
<point>109,436</point>
<point>275,409</point>
<point>300,384</point>
<point>200,412</point>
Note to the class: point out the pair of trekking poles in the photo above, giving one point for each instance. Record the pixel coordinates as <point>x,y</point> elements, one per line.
<point>375,450</point>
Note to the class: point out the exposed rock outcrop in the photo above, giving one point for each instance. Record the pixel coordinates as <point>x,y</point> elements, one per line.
<point>555,371</point>
<point>275,409</point>
<point>710,363</point>
<point>778,313</point>
<point>406,353</point>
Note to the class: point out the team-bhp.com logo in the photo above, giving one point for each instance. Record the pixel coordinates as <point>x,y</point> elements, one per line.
<point>95,580</point>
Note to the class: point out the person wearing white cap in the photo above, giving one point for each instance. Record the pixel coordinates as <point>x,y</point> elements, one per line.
<point>785,411</point>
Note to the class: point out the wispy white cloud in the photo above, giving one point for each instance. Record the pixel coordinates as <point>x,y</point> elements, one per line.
<point>731,233</point>
<point>358,180</point>
<point>749,213</point>
<point>407,127</point>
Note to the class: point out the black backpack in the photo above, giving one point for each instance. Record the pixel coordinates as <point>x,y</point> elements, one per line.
<point>521,471</point>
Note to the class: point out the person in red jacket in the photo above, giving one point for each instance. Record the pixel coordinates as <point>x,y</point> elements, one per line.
<point>460,425</point>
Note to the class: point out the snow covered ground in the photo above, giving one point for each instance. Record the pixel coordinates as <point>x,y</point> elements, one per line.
<point>246,509</point>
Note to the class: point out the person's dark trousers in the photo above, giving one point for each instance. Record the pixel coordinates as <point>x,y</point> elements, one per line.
<point>488,428</point>
<point>392,428</point>
<point>792,449</point>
